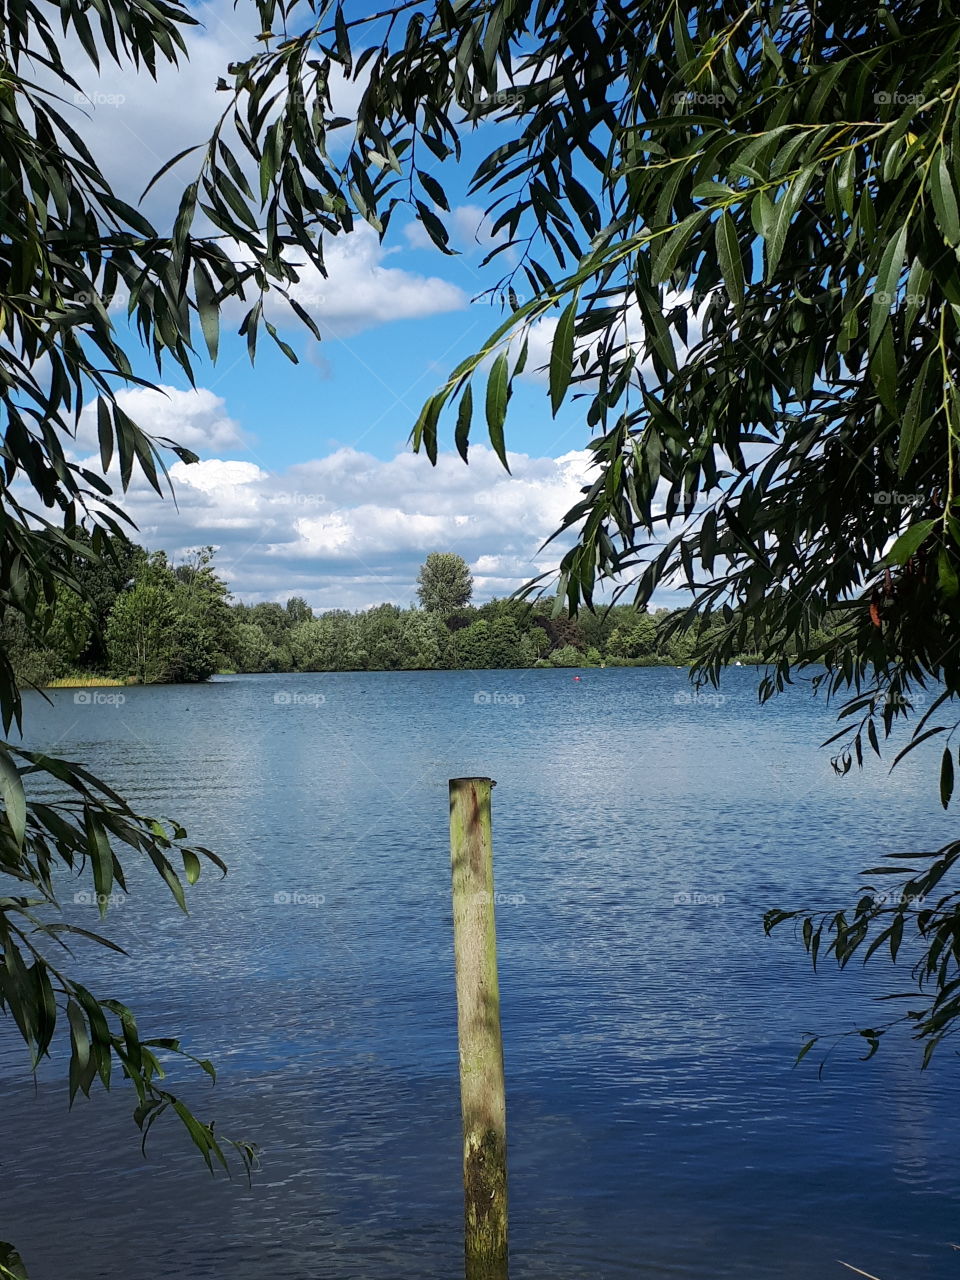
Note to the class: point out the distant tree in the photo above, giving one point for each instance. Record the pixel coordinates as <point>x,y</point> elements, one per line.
<point>100,580</point>
<point>297,611</point>
<point>596,627</point>
<point>204,621</point>
<point>444,583</point>
<point>561,629</point>
<point>331,642</point>
<point>380,637</point>
<point>539,641</point>
<point>505,648</point>
<point>32,662</point>
<point>472,647</point>
<point>423,640</point>
<point>634,640</point>
<point>67,625</point>
<point>141,634</point>
<point>273,618</point>
<point>252,651</point>
<point>567,656</point>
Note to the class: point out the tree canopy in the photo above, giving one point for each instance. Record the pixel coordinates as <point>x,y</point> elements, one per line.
<point>742,223</point>
<point>444,583</point>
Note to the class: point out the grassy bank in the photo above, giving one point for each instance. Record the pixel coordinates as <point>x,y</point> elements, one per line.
<point>87,681</point>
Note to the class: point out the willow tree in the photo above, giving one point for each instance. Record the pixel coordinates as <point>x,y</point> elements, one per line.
<point>68,244</point>
<point>741,224</point>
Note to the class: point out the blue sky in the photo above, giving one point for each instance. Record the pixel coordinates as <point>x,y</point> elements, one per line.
<point>306,483</point>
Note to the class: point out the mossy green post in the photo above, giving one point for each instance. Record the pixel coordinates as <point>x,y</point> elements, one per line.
<point>478,1026</point>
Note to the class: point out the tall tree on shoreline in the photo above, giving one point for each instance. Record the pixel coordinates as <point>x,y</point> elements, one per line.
<point>444,583</point>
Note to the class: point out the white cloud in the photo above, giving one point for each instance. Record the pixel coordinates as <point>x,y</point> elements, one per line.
<point>467,224</point>
<point>134,125</point>
<point>197,419</point>
<point>350,530</point>
<point>360,291</point>
<point>540,335</point>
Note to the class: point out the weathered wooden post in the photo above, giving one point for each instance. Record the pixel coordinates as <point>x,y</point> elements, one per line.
<point>478,1028</point>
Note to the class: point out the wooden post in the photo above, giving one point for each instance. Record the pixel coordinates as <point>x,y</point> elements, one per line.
<point>478,1027</point>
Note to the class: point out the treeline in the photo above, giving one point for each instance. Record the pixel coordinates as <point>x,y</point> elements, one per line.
<point>151,621</point>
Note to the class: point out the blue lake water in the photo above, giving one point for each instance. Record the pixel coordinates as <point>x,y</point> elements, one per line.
<point>657,1127</point>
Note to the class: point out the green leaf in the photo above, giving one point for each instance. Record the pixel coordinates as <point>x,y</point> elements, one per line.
<point>12,794</point>
<point>668,253</point>
<point>944,200</point>
<point>435,228</point>
<point>914,427</point>
<point>909,542</point>
<point>496,405</point>
<point>464,420</point>
<point>434,190</point>
<point>101,856</point>
<point>731,262</point>
<point>561,354</point>
<point>885,289</point>
<point>191,865</point>
<point>78,1033</point>
<point>946,777</point>
<point>11,1264</point>
<point>947,574</point>
<point>209,315</point>
<point>783,214</point>
<point>104,433</point>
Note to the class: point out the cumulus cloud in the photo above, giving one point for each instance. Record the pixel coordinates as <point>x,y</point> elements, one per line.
<point>350,530</point>
<point>197,419</point>
<point>360,291</point>
<point>134,125</point>
<point>540,335</point>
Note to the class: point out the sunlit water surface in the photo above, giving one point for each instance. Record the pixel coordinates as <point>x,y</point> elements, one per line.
<point>657,1126</point>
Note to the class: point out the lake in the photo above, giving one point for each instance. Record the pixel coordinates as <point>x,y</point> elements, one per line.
<point>657,1126</point>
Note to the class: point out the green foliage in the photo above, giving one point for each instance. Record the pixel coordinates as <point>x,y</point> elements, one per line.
<point>141,634</point>
<point>444,583</point>
<point>794,175</point>
<point>745,225</point>
<point>567,656</point>
<point>85,830</point>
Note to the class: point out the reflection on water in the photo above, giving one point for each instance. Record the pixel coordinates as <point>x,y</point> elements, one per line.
<point>656,1125</point>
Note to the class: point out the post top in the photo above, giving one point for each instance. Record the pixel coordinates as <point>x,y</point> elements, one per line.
<point>459,781</point>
